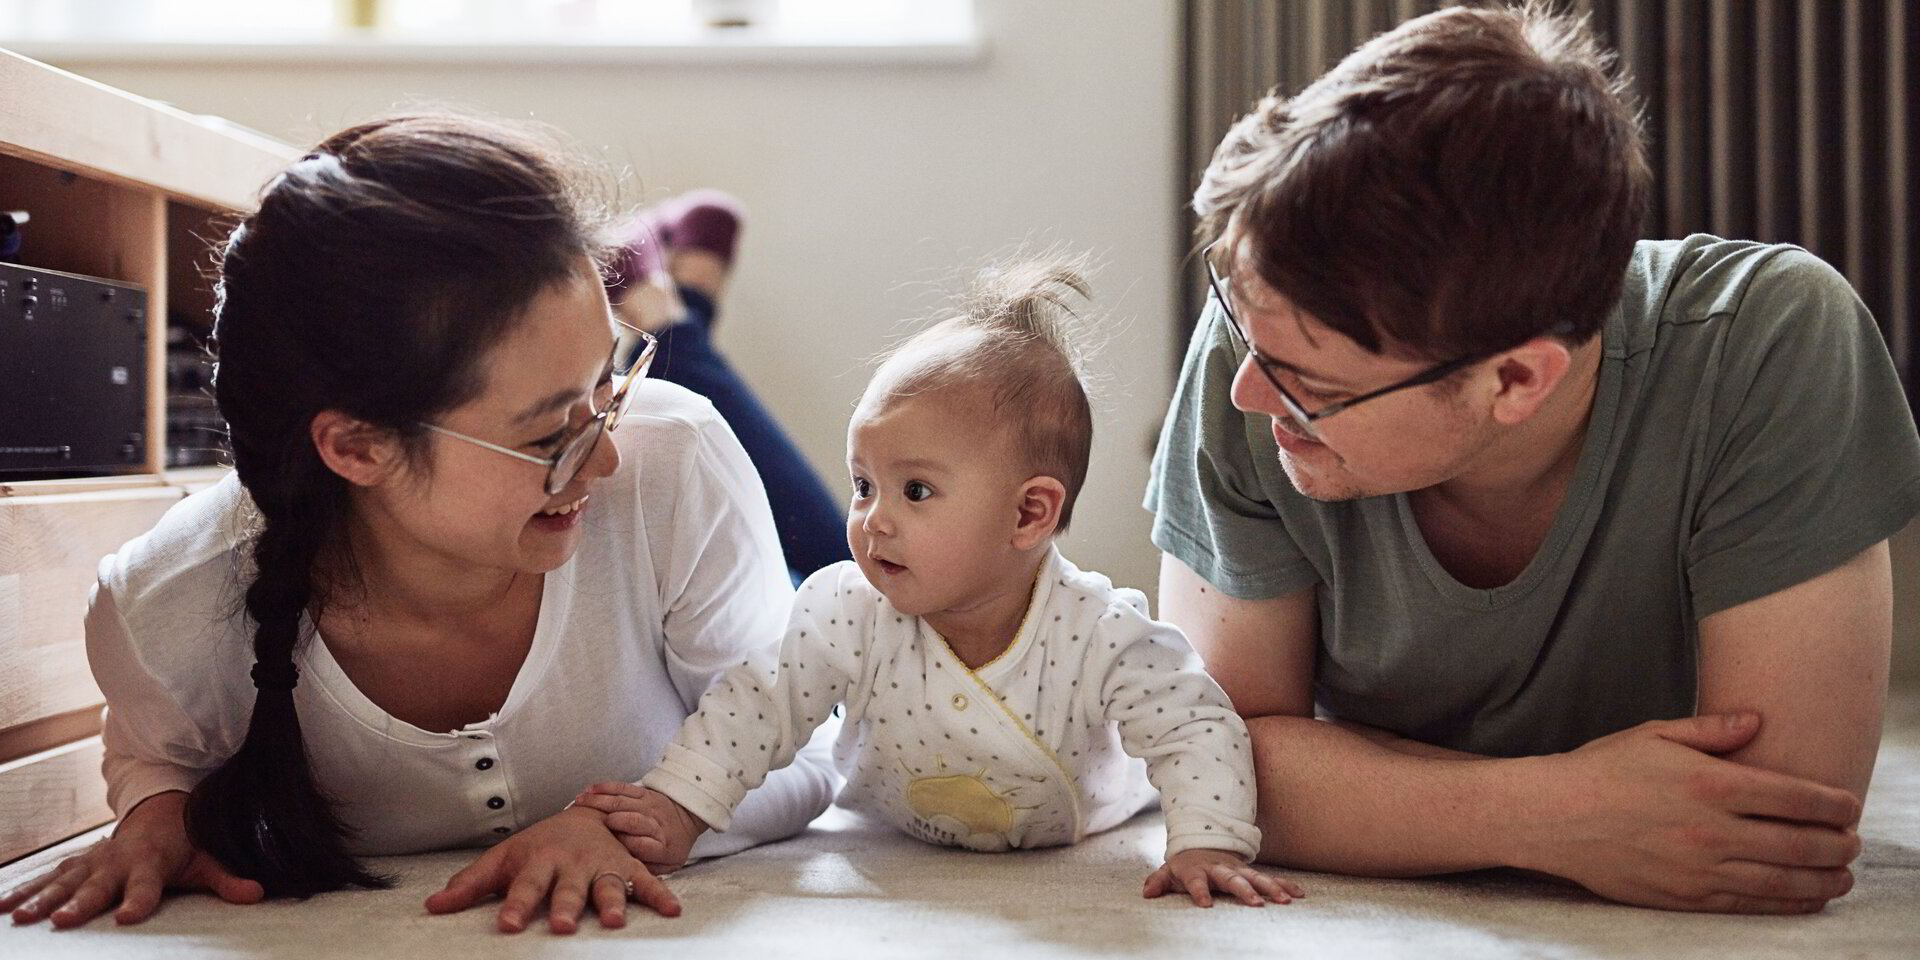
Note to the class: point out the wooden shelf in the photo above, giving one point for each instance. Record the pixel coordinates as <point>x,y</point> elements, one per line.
<point>67,122</point>
<point>192,480</point>
<point>71,485</point>
<point>133,191</point>
<point>50,796</point>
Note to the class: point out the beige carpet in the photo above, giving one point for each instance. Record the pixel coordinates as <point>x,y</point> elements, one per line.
<point>847,889</point>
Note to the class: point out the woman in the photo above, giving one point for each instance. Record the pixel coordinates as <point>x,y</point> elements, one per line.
<point>434,602</point>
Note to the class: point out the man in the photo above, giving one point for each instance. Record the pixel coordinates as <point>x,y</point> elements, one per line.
<point>1577,545</point>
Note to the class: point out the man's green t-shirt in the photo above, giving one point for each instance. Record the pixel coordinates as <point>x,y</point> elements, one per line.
<point>1748,433</point>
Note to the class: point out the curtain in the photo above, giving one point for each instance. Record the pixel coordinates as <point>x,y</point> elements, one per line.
<point>1778,120</point>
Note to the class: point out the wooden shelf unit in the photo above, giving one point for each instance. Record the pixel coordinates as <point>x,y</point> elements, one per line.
<point>130,190</point>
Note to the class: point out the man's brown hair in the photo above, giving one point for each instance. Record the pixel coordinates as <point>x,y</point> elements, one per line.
<point>1465,182</point>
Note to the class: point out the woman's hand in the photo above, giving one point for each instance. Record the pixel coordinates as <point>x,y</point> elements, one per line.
<point>564,861</point>
<point>148,854</point>
<point>1199,872</point>
<point>654,828</point>
<point>1649,816</point>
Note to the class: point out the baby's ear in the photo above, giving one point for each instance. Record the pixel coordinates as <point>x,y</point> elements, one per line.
<point>1040,501</point>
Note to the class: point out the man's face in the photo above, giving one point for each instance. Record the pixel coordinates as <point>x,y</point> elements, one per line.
<point>1407,440</point>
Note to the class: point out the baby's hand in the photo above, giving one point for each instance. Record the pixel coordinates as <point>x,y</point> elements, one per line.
<point>1200,872</point>
<point>655,829</point>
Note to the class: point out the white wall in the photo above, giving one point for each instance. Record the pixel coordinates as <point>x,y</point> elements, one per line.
<point>867,186</point>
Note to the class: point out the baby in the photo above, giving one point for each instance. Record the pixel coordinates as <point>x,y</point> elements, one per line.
<point>996,696</point>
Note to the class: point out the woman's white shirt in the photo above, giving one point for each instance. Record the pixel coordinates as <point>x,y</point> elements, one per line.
<point>678,575</point>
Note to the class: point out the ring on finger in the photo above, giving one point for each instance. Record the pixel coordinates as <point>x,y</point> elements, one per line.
<point>626,882</point>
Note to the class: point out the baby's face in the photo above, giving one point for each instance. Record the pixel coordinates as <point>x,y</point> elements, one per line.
<point>935,503</point>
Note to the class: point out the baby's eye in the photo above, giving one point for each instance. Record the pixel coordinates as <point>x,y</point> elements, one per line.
<point>551,442</point>
<point>917,491</point>
<point>861,488</point>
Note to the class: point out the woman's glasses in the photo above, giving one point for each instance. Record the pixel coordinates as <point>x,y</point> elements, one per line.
<point>632,355</point>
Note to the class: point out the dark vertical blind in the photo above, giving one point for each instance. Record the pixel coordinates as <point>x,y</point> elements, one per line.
<point>1778,120</point>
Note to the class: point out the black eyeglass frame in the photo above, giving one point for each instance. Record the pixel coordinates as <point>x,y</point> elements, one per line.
<point>1297,410</point>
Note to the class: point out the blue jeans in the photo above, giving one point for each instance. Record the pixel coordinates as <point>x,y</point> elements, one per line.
<point>811,521</point>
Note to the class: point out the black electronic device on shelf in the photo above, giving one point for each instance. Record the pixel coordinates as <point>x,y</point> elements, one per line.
<point>10,238</point>
<point>73,375</point>
<point>196,433</point>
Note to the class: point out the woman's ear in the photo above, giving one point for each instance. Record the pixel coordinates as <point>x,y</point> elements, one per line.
<point>1041,499</point>
<point>361,453</point>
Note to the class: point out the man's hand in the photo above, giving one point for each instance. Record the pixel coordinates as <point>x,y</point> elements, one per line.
<point>1651,816</point>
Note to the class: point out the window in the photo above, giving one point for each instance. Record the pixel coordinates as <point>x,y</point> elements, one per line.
<point>185,29</point>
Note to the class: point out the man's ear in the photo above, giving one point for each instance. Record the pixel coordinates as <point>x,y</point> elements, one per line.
<point>1041,499</point>
<point>361,453</point>
<point>1528,375</point>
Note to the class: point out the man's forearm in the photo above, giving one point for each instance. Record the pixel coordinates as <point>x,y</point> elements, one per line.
<point>1400,744</point>
<point>1333,799</point>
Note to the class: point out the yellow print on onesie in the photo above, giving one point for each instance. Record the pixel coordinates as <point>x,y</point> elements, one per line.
<point>961,810</point>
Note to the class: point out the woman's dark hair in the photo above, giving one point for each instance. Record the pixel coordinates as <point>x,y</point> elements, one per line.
<point>373,279</point>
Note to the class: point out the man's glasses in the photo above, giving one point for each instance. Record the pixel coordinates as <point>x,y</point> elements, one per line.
<point>1295,409</point>
<point>632,356</point>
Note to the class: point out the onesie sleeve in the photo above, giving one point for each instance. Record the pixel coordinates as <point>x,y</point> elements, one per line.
<point>782,806</point>
<point>1172,715</point>
<point>759,712</point>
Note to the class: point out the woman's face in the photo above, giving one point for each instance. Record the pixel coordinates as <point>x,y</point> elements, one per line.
<point>466,506</point>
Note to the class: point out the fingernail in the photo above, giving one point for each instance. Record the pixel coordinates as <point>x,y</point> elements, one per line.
<point>1736,721</point>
